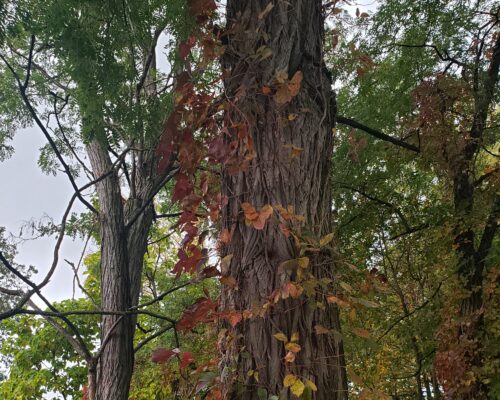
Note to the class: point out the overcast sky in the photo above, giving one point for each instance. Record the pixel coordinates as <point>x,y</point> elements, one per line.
<point>29,194</point>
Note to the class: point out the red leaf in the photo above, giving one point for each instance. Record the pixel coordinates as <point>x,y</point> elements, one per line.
<point>186,46</point>
<point>209,272</point>
<point>199,8</point>
<point>203,310</point>
<point>183,187</point>
<point>186,359</point>
<point>217,150</point>
<point>85,392</point>
<point>162,355</point>
<point>167,142</point>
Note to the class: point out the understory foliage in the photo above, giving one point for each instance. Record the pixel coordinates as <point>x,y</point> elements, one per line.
<point>413,252</point>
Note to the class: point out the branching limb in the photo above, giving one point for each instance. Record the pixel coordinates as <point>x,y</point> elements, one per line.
<point>416,309</point>
<point>443,55</point>
<point>375,133</point>
<point>158,333</point>
<point>34,115</point>
<point>382,202</point>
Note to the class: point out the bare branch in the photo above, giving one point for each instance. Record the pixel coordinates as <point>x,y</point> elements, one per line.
<point>161,296</point>
<point>382,202</point>
<point>149,61</point>
<point>159,332</point>
<point>416,309</point>
<point>30,60</point>
<point>443,57</point>
<point>375,133</point>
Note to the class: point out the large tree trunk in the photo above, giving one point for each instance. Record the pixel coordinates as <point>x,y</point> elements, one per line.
<point>293,31</point>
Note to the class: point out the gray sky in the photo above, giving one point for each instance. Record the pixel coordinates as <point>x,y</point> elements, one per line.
<point>30,194</point>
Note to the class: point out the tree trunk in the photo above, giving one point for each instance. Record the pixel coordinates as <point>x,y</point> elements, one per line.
<point>293,31</point>
<point>122,255</point>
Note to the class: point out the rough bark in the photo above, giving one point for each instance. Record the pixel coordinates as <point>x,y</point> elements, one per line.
<point>122,255</point>
<point>293,31</point>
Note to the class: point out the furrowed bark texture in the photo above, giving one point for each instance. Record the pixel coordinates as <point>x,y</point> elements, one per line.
<point>122,255</point>
<point>293,31</point>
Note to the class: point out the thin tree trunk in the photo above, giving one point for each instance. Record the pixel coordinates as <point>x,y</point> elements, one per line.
<point>293,31</point>
<point>122,254</point>
<point>435,385</point>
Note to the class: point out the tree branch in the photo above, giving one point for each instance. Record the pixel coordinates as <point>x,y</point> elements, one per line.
<point>375,133</point>
<point>382,202</point>
<point>411,312</point>
<point>160,332</point>
<point>34,115</point>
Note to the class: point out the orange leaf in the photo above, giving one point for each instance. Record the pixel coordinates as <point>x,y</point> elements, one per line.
<point>290,357</point>
<point>266,90</point>
<point>341,303</point>
<point>294,290</point>
<point>235,318</point>
<point>225,236</point>
<point>282,95</point>
<point>361,332</point>
<point>250,212</point>
<point>294,84</point>
<point>228,280</point>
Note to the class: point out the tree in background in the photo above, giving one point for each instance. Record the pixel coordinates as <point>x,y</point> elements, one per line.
<point>427,72</point>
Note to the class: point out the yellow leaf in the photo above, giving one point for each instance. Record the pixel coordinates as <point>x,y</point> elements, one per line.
<point>295,337</point>
<point>289,380</point>
<point>303,262</point>
<point>288,265</point>
<point>281,337</point>
<point>311,384</point>
<point>326,239</point>
<point>346,287</point>
<point>281,76</point>
<point>292,117</point>
<point>256,376</point>
<point>293,347</point>
<point>298,388</point>
<point>226,261</point>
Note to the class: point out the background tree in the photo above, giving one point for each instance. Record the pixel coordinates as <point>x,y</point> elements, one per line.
<point>427,73</point>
